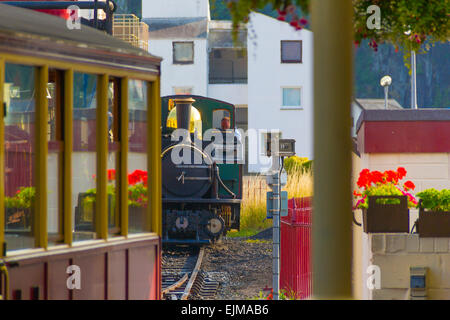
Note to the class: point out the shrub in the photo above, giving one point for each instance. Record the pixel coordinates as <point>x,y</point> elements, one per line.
<point>435,200</point>
<point>294,164</point>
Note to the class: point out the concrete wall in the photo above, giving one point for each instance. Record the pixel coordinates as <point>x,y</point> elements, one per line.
<point>266,77</point>
<point>233,93</point>
<point>396,253</point>
<point>182,75</point>
<point>175,8</point>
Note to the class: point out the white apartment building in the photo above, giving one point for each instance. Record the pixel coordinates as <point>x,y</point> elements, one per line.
<point>267,74</point>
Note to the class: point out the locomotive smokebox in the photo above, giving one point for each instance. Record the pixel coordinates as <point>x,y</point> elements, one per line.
<point>183,107</point>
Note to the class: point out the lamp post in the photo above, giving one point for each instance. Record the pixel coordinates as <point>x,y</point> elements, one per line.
<point>413,81</point>
<point>413,75</point>
<point>386,82</point>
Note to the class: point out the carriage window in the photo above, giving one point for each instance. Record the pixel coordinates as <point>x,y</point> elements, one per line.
<point>84,156</point>
<point>19,97</point>
<point>137,156</point>
<point>54,158</point>
<point>221,119</point>
<point>195,125</point>
<point>113,156</point>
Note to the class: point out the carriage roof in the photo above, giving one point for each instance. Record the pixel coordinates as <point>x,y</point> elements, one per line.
<point>24,30</point>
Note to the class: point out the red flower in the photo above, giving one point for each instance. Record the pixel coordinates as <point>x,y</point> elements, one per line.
<point>111,174</point>
<point>409,185</point>
<point>282,18</point>
<point>364,178</point>
<point>303,21</point>
<point>391,176</point>
<point>282,12</point>
<point>376,177</point>
<point>401,172</point>
<point>137,176</point>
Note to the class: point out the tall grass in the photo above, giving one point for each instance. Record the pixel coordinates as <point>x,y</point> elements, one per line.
<point>253,207</point>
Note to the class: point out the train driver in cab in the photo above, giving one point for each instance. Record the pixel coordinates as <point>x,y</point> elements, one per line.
<point>225,125</point>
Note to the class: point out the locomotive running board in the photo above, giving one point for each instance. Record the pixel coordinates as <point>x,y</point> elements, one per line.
<point>190,200</point>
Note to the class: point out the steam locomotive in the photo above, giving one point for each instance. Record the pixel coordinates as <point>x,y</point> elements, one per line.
<point>201,169</point>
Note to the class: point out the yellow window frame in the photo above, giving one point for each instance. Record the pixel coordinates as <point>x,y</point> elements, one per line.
<point>153,221</point>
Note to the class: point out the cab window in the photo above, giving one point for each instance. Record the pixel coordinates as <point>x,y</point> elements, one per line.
<point>220,116</point>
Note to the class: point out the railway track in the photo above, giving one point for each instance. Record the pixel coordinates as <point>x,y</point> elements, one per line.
<point>182,277</point>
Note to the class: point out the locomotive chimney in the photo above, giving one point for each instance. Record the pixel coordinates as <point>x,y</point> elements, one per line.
<point>183,106</point>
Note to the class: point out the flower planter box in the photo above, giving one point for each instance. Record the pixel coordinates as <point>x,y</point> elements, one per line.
<point>18,219</point>
<point>85,214</point>
<point>386,218</point>
<point>433,223</point>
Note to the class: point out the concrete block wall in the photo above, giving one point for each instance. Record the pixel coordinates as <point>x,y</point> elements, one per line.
<point>426,170</point>
<point>395,253</point>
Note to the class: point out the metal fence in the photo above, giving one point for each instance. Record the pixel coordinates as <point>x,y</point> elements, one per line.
<point>295,264</point>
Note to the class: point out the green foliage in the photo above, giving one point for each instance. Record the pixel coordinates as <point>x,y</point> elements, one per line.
<point>296,164</point>
<point>137,195</point>
<point>23,199</point>
<point>406,24</point>
<point>435,200</point>
<point>388,189</point>
<point>90,195</point>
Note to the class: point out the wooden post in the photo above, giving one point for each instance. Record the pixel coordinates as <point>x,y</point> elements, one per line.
<point>332,25</point>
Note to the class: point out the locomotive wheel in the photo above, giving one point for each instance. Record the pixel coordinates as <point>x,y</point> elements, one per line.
<point>215,227</point>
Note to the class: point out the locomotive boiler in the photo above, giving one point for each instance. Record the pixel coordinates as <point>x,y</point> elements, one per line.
<point>201,191</point>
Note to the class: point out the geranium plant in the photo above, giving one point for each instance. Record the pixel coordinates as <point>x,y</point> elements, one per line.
<point>387,183</point>
<point>137,189</point>
<point>435,200</point>
<point>23,199</point>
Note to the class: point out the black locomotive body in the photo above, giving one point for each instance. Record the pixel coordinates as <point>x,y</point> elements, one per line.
<point>201,195</point>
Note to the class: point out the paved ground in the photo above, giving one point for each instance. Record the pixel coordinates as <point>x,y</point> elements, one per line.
<point>243,266</point>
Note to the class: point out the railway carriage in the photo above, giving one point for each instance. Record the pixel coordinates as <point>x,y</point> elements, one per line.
<point>201,199</point>
<point>80,126</point>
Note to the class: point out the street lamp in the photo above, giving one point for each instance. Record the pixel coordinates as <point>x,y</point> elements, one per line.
<point>386,82</point>
<point>413,75</point>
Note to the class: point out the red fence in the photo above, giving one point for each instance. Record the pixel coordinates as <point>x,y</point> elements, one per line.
<point>295,264</point>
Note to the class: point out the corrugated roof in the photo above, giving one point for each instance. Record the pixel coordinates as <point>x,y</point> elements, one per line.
<point>160,28</point>
<point>378,104</point>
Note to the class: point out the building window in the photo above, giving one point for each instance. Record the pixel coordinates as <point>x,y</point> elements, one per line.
<point>291,51</point>
<point>183,52</point>
<point>228,65</point>
<point>291,98</point>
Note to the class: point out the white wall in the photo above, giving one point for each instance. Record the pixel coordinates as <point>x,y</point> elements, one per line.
<point>267,75</point>
<point>175,8</point>
<point>178,75</point>
<point>236,94</point>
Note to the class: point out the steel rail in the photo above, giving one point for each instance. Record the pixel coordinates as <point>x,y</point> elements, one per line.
<point>187,290</point>
<point>176,285</point>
